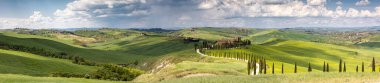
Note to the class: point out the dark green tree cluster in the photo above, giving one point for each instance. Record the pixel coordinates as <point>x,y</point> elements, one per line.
<point>342,67</point>
<point>116,73</point>
<point>47,53</point>
<point>107,72</point>
<point>206,44</point>
<point>68,75</point>
<point>232,44</point>
<point>190,39</point>
<point>231,55</point>
<point>253,60</point>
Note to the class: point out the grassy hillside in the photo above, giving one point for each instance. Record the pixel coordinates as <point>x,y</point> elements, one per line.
<point>29,64</point>
<point>285,78</point>
<point>303,52</point>
<point>132,49</point>
<point>209,33</point>
<point>205,65</point>
<point>14,78</point>
<point>265,35</point>
<point>166,56</point>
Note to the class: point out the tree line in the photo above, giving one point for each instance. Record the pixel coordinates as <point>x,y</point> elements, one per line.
<point>47,53</point>
<point>253,60</point>
<point>223,45</point>
<point>107,72</point>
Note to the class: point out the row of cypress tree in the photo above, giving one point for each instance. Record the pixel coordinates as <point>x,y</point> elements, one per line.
<point>261,61</point>
<point>342,67</point>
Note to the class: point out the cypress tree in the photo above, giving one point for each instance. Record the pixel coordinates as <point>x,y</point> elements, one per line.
<point>265,67</point>
<point>362,66</point>
<point>357,68</point>
<point>282,68</point>
<point>309,68</point>
<point>254,66</point>
<point>195,46</point>
<point>340,65</point>
<point>324,66</point>
<point>260,65</point>
<point>295,67</point>
<point>373,64</point>
<point>249,67</point>
<point>344,67</point>
<point>327,68</point>
<point>273,68</point>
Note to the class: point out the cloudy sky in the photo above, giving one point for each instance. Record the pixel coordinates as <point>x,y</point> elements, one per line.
<point>188,13</point>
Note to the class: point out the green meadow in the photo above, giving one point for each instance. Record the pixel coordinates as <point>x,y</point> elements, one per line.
<point>166,57</point>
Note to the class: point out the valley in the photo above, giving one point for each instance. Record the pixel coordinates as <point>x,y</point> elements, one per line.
<point>169,56</point>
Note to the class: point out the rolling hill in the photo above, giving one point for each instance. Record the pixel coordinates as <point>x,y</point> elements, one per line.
<point>303,52</point>
<point>14,62</point>
<point>167,58</point>
<point>14,78</point>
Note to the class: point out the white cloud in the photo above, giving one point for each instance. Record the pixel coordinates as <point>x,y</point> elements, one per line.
<point>339,3</point>
<point>258,8</point>
<point>38,17</point>
<point>362,3</point>
<point>89,9</point>
<point>208,4</point>
<point>316,2</point>
<point>189,13</point>
<point>38,21</point>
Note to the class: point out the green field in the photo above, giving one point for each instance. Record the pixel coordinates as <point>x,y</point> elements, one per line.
<point>166,58</point>
<point>301,52</point>
<point>14,62</point>
<point>285,78</point>
<point>13,78</point>
<point>122,51</point>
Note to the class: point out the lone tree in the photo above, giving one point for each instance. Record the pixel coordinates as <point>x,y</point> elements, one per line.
<point>357,68</point>
<point>309,69</point>
<point>373,65</point>
<point>344,67</point>
<point>327,68</point>
<point>260,65</point>
<point>340,65</point>
<point>273,68</point>
<point>362,66</point>
<point>324,66</point>
<point>254,66</point>
<point>282,68</point>
<point>295,67</point>
<point>265,66</point>
<point>249,67</point>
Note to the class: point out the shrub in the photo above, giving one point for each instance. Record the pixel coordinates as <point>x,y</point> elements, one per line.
<point>68,75</point>
<point>116,73</point>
